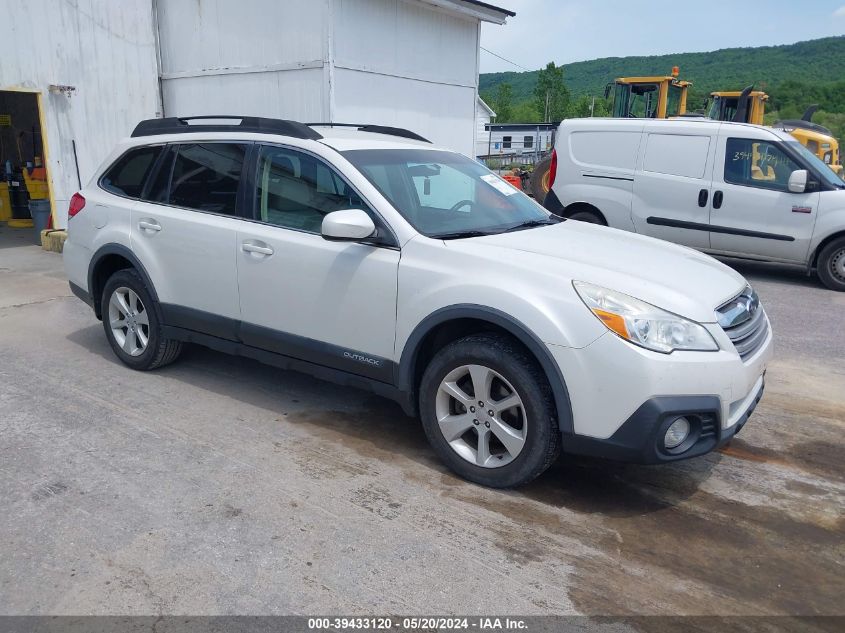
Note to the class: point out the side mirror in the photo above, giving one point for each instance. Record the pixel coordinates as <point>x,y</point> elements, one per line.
<point>798,181</point>
<point>349,225</point>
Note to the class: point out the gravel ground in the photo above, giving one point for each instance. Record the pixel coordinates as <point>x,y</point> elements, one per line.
<point>220,486</point>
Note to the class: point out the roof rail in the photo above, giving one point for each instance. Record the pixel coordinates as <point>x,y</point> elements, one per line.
<point>260,125</point>
<point>376,129</point>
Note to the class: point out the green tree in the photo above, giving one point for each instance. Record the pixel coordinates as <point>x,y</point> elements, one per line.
<point>551,96</point>
<point>524,112</point>
<point>503,103</point>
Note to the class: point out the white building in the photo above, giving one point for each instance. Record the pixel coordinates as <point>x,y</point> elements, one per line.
<point>523,142</point>
<point>484,115</point>
<point>87,73</point>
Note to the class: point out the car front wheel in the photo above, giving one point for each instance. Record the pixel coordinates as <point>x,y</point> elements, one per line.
<point>487,411</point>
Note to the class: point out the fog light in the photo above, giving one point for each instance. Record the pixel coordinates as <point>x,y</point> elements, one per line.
<point>677,432</point>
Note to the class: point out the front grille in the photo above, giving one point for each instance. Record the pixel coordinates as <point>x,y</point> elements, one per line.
<point>744,321</point>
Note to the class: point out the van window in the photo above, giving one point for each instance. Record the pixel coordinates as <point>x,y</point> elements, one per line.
<point>676,155</point>
<point>127,176</point>
<point>756,163</point>
<point>506,142</point>
<point>605,149</point>
<point>528,142</point>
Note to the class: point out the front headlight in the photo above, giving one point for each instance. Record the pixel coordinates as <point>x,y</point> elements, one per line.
<point>642,323</point>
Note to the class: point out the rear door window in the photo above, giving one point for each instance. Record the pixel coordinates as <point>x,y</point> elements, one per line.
<point>128,175</point>
<point>201,176</point>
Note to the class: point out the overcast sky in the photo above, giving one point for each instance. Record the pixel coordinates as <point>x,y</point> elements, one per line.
<point>566,31</point>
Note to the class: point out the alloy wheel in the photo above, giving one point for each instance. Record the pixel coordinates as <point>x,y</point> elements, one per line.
<point>481,416</point>
<point>129,321</point>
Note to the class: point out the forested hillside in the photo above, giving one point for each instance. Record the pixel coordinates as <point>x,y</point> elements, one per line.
<point>794,75</point>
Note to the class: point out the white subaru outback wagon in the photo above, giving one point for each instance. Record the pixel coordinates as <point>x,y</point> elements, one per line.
<point>364,255</point>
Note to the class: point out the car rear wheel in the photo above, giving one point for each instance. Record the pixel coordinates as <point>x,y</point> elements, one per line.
<point>132,324</point>
<point>831,265</point>
<point>487,411</point>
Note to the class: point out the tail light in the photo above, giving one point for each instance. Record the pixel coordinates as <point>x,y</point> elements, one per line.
<point>77,203</point>
<point>553,168</point>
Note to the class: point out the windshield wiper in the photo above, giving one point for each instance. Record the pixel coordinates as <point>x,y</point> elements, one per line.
<point>529,224</point>
<point>459,234</point>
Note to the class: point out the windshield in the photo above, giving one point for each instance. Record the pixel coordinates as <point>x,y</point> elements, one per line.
<point>825,172</point>
<point>444,194</point>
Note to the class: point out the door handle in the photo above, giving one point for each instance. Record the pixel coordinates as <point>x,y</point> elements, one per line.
<point>149,225</point>
<point>717,199</point>
<point>257,247</point>
<point>702,197</point>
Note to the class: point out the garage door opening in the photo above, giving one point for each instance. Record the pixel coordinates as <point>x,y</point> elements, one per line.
<point>24,188</point>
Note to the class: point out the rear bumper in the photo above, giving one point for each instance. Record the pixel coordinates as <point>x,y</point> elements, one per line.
<point>81,293</point>
<point>640,438</point>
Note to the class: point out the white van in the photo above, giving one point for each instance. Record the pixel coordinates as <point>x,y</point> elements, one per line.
<point>725,188</point>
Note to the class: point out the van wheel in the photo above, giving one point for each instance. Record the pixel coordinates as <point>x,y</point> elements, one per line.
<point>831,265</point>
<point>132,324</point>
<point>590,217</point>
<point>540,179</point>
<point>487,411</point>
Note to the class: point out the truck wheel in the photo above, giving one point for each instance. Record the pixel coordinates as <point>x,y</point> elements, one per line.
<point>487,411</point>
<point>132,324</point>
<point>831,265</point>
<point>587,216</point>
<point>540,179</point>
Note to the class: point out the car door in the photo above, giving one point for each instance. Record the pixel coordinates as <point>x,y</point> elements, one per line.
<point>184,231</point>
<point>672,183</point>
<point>754,213</point>
<point>327,302</point>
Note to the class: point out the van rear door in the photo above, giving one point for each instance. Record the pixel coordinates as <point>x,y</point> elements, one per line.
<point>672,184</point>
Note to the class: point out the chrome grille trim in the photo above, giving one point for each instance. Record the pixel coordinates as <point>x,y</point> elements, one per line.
<point>751,331</point>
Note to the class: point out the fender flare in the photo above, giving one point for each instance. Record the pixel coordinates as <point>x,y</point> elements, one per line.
<point>405,371</point>
<point>123,251</point>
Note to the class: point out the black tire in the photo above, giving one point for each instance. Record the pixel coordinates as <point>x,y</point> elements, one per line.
<point>506,357</point>
<point>831,265</point>
<point>159,351</point>
<point>537,190</point>
<point>590,217</point>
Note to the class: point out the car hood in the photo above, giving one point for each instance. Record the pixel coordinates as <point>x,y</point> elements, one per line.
<point>674,278</point>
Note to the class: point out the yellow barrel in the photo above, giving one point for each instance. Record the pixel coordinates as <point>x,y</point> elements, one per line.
<point>37,188</point>
<point>5,202</point>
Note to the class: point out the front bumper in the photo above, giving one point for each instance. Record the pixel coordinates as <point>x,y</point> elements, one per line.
<point>640,438</point>
<point>624,397</point>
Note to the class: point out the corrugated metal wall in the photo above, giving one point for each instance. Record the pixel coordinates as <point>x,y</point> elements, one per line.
<point>262,58</point>
<point>406,64</point>
<point>106,51</point>
<point>391,62</point>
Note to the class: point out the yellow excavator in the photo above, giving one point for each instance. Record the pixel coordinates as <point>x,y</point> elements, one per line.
<point>655,97</point>
<point>749,106</point>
